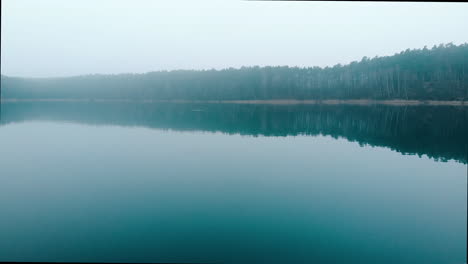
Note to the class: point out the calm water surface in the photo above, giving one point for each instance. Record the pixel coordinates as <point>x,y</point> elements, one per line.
<point>232,184</point>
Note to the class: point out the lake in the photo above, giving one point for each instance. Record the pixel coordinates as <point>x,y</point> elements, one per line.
<point>231,183</point>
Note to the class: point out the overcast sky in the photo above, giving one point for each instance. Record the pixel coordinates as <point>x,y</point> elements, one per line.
<point>42,38</point>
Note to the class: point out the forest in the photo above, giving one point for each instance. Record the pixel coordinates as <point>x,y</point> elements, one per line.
<point>437,73</point>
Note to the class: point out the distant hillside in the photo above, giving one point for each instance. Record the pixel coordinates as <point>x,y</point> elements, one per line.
<point>439,73</point>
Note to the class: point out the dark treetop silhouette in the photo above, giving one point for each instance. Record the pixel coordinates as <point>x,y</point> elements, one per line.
<point>439,73</point>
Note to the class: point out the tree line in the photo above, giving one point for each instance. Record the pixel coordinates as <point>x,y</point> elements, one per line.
<point>437,73</point>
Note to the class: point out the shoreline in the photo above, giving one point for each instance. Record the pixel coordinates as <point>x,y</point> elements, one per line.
<point>396,102</point>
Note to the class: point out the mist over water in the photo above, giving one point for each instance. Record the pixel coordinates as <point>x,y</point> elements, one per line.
<point>218,183</point>
<point>233,132</point>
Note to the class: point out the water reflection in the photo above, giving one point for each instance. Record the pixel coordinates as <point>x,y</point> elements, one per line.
<point>120,191</point>
<point>438,132</point>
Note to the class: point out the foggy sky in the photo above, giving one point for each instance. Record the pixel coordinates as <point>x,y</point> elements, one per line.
<point>42,38</point>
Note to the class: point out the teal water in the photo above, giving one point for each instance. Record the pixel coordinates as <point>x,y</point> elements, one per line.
<point>232,184</point>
